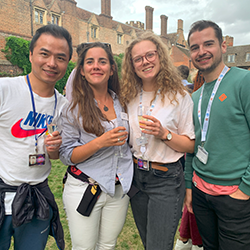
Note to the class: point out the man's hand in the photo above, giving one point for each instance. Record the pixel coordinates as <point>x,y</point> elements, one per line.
<point>238,194</point>
<point>188,200</point>
<point>53,144</point>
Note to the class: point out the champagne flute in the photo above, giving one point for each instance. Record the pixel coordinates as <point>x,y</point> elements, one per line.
<point>53,123</point>
<point>119,153</point>
<point>141,111</point>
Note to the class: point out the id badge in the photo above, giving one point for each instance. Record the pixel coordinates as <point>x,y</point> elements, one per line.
<point>141,141</point>
<point>202,154</point>
<point>36,159</point>
<point>143,164</point>
<point>124,116</point>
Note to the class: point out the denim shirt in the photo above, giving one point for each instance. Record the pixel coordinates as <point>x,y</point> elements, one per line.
<point>104,165</point>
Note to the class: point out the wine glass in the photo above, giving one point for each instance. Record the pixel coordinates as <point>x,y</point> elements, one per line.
<point>119,152</point>
<point>142,140</point>
<point>53,123</point>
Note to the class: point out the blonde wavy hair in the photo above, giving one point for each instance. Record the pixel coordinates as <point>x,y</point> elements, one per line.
<point>168,79</point>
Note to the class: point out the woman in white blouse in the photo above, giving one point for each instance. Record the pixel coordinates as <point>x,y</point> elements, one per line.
<point>150,79</point>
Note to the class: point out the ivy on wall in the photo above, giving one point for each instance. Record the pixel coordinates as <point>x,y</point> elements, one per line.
<point>17,52</point>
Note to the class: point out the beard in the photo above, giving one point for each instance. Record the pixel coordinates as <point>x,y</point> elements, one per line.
<point>210,68</point>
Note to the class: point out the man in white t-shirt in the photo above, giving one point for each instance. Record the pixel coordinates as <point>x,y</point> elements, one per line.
<point>28,104</point>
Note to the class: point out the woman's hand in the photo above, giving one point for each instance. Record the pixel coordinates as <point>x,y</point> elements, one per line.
<point>114,137</point>
<point>153,127</point>
<point>179,143</point>
<point>108,139</point>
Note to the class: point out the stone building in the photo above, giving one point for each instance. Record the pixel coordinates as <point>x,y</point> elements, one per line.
<point>22,18</point>
<point>237,56</point>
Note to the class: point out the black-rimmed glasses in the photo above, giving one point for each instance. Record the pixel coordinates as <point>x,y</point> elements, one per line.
<point>149,56</point>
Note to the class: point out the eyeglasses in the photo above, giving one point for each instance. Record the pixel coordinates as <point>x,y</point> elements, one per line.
<point>149,56</point>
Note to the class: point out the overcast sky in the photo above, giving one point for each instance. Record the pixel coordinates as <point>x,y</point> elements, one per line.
<point>231,15</point>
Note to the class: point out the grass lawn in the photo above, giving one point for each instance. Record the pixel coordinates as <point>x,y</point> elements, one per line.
<point>129,237</point>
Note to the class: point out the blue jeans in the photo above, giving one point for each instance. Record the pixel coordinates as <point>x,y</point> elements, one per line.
<point>223,222</point>
<point>31,235</point>
<point>157,207</point>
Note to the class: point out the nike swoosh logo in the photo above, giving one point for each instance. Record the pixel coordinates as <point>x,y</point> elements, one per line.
<point>19,132</point>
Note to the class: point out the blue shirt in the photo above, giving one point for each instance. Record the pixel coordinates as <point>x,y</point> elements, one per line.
<point>102,166</point>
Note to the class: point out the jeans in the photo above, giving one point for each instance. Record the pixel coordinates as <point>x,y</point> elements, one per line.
<point>101,229</point>
<point>157,207</point>
<point>32,235</point>
<point>223,222</point>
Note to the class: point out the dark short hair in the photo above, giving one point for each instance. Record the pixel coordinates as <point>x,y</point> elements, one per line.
<point>204,24</point>
<point>184,71</point>
<point>56,31</point>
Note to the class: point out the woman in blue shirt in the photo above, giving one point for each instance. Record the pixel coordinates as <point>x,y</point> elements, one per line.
<point>95,131</point>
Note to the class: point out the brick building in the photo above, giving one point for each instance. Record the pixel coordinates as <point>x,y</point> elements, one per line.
<point>22,18</point>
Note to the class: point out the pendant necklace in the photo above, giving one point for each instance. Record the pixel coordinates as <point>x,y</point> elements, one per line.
<point>105,108</point>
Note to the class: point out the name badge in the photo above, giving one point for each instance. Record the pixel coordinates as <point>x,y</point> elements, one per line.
<point>36,159</point>
<point>124,116</point>
<point>141,141</point>
<point>202,155</point>
<point>143,164</point>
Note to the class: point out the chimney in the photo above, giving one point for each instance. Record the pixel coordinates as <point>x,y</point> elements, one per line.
<point>180,26</point>
<point>106,8</point>
<point>149,17</point>
<point>229,41</point>
<point>164,21</point>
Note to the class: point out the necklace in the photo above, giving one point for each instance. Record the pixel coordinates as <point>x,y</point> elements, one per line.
<point>105,108</point>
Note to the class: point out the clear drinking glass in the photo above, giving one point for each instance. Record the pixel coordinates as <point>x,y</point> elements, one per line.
<point>141,111</point>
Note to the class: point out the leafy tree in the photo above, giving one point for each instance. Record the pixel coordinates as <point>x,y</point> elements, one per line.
<point>118,60</point>
<point>17,52</point>
<point>61,83</point>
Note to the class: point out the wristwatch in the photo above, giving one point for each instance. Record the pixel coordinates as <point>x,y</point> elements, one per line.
<point>168,137</point>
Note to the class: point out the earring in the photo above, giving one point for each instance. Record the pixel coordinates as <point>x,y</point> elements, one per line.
<point>83,78</point>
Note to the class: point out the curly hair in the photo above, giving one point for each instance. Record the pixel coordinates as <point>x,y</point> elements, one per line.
<point>83,99</point>
<point>168,79</point>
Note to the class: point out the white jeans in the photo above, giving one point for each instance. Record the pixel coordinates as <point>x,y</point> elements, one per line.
<point>101,229</point>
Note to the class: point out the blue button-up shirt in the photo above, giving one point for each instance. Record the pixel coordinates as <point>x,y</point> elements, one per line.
<point>103,166</point>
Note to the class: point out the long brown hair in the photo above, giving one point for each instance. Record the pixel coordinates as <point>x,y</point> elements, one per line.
<point>83,99</point>
<point>167,80</point>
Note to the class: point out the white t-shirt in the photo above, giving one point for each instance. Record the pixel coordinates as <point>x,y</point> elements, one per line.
<point>17,132</point>
<point>177,118</point>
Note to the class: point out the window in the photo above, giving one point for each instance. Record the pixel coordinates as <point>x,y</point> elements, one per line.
<point>119,38</point>
<point>55,19</point>
<point>247,57</point>
<point>231,58</point>
<point>93,32</point>
<point>39,16</point>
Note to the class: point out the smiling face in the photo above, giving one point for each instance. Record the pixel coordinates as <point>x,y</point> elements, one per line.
<point>206,52</point>
<point>146,70</point>
<point>96,67</point>
<point>49,60</point>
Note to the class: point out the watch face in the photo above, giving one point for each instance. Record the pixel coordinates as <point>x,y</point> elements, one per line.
<point>169,136</point>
